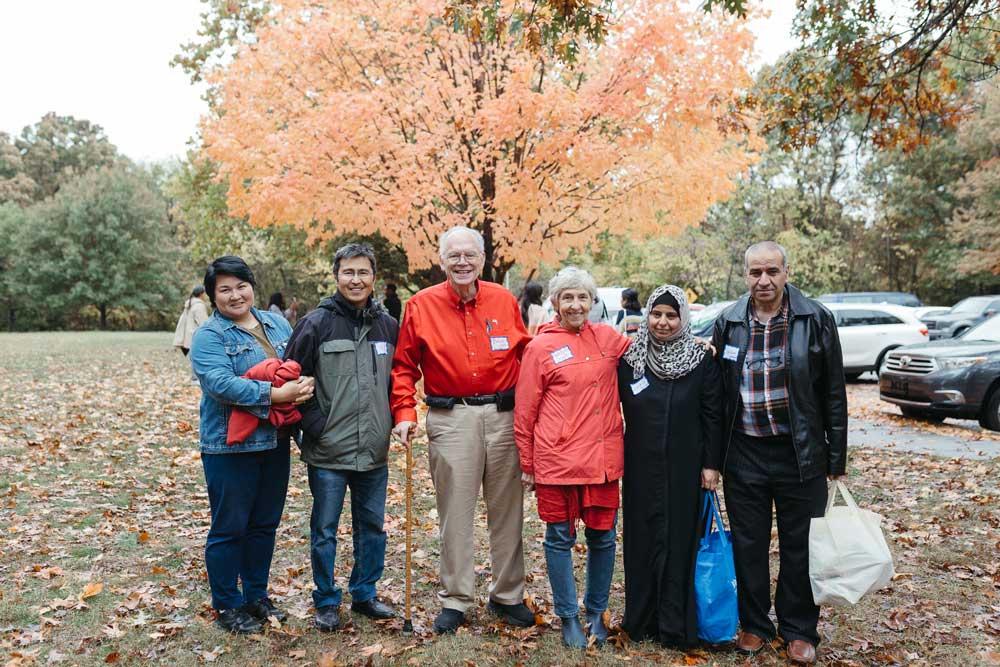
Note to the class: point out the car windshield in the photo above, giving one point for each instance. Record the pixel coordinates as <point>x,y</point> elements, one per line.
<point>974,304</point>
<point>988,331</point>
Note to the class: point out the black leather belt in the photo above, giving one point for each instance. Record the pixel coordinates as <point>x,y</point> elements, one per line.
<point>503,399</point>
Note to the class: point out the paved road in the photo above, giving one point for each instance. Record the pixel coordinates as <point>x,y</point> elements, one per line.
<point>908,439</point>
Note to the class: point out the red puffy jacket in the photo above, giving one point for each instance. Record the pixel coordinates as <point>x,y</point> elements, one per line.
<point>277,372</point>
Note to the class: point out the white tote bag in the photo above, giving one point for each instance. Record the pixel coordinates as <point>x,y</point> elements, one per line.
<point>848,555</point>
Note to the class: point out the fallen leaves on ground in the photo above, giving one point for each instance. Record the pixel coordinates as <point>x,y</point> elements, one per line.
<point>104,516</point>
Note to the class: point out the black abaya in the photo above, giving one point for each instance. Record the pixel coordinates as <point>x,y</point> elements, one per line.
<point>672,431</point>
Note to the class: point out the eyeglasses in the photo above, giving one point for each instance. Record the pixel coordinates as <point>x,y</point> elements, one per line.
<point>456,257</point>
<point>761,363</point>
<point>351,274</point>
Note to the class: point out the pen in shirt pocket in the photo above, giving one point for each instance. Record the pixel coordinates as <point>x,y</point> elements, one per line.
<point>489,327</point>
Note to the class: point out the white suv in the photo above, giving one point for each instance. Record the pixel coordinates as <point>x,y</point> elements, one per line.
<point>869,330</point>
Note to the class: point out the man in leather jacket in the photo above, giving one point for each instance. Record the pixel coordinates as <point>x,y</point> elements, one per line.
<point>785,427</point>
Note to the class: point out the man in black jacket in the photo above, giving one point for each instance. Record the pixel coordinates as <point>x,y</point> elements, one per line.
<point>347,344</point>
<point>785,428</point>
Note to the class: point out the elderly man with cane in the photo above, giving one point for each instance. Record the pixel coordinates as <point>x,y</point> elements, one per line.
<point>785,423</point>
<point>466,336</point>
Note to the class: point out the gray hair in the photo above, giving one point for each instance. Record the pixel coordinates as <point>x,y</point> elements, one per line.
<point>765,246</point>
<point>571,277</point>
<point>352,250</point>
<point>460,228</point>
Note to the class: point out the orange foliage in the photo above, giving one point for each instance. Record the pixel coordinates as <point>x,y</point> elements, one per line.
<point>374,116</point>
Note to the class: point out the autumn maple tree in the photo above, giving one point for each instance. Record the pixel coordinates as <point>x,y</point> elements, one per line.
<point>369,116</point>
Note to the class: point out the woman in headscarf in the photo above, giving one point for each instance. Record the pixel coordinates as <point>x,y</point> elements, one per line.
<point>670,390</point>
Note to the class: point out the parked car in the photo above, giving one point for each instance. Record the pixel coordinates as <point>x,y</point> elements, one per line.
<point>605,308</point>
<point>896,298</point>
<point>964,314</point>
<point>925,312</point>
<point>869,331</point>
<point>955,377</point>
<point>703,321</point>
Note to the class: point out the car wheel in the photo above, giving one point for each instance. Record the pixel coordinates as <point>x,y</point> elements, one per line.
<point>990,416</point>
<point>881,358</point>
<point>922,415</point>
<point>852,377</point>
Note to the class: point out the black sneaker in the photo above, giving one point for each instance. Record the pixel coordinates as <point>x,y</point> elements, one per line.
<point>448,621</point>
<point>263,609</point>
<point>374,609</point>
<point>517,615</point>
<point>328,618</point>
<point>238,622</point>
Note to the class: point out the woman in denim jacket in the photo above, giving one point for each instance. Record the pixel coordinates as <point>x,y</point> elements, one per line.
<point>248,480</point>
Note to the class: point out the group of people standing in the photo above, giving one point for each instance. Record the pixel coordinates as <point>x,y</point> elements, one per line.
<point>511,411</point>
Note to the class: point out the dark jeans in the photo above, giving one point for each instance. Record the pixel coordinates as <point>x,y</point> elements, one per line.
<point>761,472</point>
<point>246,492</point>
<point>367,515</point>
<point>559,563</point>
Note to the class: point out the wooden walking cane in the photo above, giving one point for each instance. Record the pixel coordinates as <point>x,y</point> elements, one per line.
<point>407,622</point>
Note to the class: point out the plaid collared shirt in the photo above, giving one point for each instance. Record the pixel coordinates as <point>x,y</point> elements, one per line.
<point>764,381</point>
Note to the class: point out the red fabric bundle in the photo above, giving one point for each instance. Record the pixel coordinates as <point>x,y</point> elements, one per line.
<point>277,372</point>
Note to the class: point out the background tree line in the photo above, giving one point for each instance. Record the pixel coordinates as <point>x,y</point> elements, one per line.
<point>881,170</point>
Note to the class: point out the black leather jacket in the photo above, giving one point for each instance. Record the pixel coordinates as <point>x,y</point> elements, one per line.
<point>816,390</point>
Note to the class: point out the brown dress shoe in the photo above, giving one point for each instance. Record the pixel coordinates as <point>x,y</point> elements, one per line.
<point>801,651</point>
<point>749,644</point>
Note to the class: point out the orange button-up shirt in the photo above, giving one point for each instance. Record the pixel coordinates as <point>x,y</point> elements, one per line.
<point>463,349</point>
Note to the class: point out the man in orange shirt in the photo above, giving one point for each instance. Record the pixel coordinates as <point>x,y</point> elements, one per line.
<point>466,336</point>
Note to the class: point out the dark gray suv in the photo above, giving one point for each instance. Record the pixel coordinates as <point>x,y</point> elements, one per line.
<point>964,314</point>
<point>957,377</point>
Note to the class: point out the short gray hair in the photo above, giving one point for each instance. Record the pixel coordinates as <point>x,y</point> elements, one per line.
<point>765,246</point>
<point>571,277</point>
<point>460,228</point>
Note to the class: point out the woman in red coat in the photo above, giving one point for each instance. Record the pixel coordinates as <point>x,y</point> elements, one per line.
<point>568,428</point>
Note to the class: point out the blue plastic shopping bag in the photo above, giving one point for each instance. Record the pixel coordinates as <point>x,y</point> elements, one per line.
<point>715,578</point>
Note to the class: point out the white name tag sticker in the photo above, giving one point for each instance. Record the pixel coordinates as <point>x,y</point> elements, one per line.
<point>499,343</point>
<point>381,348</point>
<point>561,355</point>
<point>639,385</point>
<point>731,353</point>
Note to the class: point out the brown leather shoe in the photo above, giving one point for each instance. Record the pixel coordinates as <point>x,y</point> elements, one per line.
<point>801,651</point>
<point>749,644</point>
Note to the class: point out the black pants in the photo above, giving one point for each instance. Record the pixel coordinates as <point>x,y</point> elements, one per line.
<point>761,472</point>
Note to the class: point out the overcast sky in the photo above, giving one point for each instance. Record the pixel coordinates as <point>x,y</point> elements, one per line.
<point>108,61</point>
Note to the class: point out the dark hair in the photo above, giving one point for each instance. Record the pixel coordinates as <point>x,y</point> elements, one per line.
<point>277,300</point>
<point>631,299</point>
<point>352,250</point>
<point>197,290</point>
<point>227,265</point>
<point>390,288</point>
<point>531,294</point>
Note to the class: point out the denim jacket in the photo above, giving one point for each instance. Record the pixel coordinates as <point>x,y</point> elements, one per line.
<point>221,353</point>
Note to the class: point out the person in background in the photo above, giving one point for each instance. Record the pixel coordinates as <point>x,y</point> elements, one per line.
<point>568,428</point>
<point>785,420</point>
<point>465,336</point>
<point>193,315</point>
<point>246,481</point>
<point>277,304</point>
<point>630,316</point>
<point>392,303</point>
<point>292,312</point>
<point>671,396</point>
<point>532,312</point>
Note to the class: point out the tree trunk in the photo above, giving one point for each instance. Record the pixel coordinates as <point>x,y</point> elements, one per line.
<point>11,317</point>
<point>487,190</point>
<point>103,308</point>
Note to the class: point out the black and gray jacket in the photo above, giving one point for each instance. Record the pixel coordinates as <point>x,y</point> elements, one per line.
<point>347,423</point>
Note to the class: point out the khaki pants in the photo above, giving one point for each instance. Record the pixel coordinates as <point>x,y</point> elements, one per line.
<point>473,446</point>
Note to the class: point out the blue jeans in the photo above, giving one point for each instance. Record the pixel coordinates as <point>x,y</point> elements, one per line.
<point>246,492</point>
<point>367,515</point>
<point>559,562</point>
